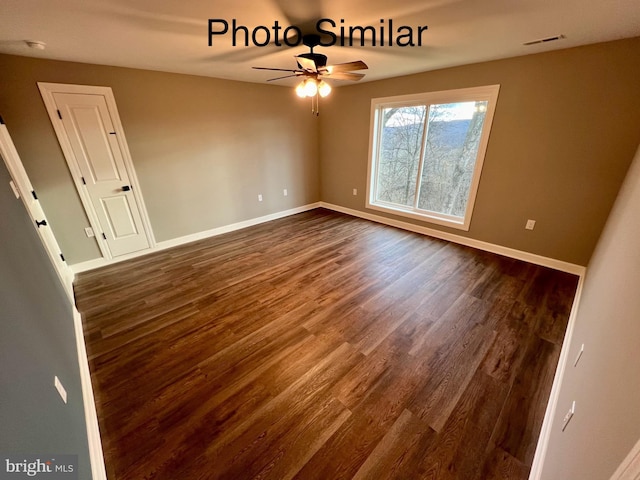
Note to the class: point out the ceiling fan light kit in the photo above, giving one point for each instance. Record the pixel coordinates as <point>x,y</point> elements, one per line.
<point>313,67</point>
<point>310,87</point>
<point>324,88</point>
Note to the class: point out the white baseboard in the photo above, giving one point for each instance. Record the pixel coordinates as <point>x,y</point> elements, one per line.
<point>545,432</point>
<point>469,242</point>
<point>95,447</point>
<point>235,226</point>
<point>174,242</point>
<point>98,471</point>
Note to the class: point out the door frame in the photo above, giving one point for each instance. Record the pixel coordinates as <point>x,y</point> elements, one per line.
<point>47,91</point>
<point>31,203</point>
<point>629,469</point>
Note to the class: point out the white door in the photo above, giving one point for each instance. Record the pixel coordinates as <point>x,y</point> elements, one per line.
<point>22,187</point>
<point>90,132</point>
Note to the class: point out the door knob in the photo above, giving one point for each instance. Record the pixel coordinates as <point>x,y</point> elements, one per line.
<point>126,188</point>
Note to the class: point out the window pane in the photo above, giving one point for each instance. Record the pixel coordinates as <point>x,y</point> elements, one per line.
<point>453,138</point>
<point>399,155</point>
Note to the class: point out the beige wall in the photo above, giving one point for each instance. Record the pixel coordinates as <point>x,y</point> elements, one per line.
<point>605,383</point>
<point>565,130</point>
<point>203,148</point>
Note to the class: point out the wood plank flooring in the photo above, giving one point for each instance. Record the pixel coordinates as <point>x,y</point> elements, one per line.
<point>321,346</point>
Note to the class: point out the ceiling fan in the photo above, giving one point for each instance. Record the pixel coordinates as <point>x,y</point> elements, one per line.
<point>313,67</point>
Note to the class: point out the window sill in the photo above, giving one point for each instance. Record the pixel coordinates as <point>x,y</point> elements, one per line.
<point>451,222</point>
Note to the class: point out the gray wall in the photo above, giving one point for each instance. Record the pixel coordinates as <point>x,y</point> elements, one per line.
<point>606,383</point>
<point>565,130</point>
<point>37,341</point>
<point>203,148</point>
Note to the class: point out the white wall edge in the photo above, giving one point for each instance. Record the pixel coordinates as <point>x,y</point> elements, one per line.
<point>101,262</point>
<point>629,469</point>
<point>98,470</point>
<point>549,414</point>
<point>469,242</point>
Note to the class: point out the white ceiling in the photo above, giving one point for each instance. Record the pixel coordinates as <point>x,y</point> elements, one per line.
<point>172,35</point>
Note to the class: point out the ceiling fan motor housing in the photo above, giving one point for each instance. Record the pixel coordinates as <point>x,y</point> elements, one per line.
<point>319,59</point>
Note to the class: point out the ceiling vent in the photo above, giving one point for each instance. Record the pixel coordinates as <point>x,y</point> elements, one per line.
<point>544,40</point>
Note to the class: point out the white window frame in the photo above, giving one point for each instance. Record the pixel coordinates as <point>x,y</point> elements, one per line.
<point>487,93</point>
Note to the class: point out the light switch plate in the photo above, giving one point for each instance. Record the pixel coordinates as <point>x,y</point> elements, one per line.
<point>567,418</point>
<point>579,356</point>
<point>60,388</point>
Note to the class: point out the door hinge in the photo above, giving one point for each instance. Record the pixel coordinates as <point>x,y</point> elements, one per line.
<point>41,223</point>
<point>83,181</point>
<point>33,192</point>
<point>62,257</point>
<point>59,114</point>
<point>112,133</point>
<point>104,236</point>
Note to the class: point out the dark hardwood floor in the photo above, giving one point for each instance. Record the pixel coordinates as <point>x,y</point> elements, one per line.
<point>322,346</point>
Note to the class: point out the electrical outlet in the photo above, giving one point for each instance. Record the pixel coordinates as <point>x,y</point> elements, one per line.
<point>355,191</point>
<point>530,224</point>
<point>259,197</point>
<point>89,232</point>
<point>284,192</point>
<point>567,418</point>
<point>60,388</point>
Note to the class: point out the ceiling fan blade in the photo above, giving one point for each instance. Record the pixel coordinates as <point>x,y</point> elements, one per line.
<point>275,69</point>
<point>346,67</point>
<point>343,76</point>
<point>307,64</point>
<point>286,76</point>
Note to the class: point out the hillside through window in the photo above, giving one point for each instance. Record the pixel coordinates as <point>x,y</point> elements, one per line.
<point>427,153</point>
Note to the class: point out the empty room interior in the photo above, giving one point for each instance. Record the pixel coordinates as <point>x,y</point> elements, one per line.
<point>320,240</point>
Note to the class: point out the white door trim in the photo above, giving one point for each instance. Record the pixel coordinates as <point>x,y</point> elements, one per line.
<point>47,90</point>
<point>25,189</point>
<point>629,469</point>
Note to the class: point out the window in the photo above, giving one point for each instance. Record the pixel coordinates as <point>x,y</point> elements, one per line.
<point>426,153</point>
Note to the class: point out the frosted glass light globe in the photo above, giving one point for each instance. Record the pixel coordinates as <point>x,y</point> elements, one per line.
<point>310,88</point>
<point>324,88</point>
